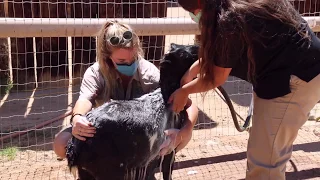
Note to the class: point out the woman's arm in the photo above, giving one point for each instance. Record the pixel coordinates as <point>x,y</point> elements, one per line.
<point>191,73</point>
<point>185,132</point>
<point>179,138</point>
<point>199,85</point>
<point>81,126</point>
<point>82,106</point>
<point>178,99</point>
<point>90,88</point>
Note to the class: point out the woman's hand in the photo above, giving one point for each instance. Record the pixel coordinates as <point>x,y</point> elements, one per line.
<point>82,128</point>
<point>178,99</point>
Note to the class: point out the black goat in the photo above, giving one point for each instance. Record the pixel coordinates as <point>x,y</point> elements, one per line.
<point>129,133</point>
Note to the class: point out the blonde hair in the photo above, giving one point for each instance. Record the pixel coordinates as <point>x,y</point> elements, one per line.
<point>104,50</point>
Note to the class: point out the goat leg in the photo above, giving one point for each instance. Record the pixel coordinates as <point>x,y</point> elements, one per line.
<point>167,165</point>
<point>84,175</point>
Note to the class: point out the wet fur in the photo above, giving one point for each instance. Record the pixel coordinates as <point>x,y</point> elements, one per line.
<point>129,133</point>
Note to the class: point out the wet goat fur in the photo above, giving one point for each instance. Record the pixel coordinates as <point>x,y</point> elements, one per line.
<point>129,133</point>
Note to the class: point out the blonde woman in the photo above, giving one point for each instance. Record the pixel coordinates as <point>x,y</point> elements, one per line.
<point>120,73</point>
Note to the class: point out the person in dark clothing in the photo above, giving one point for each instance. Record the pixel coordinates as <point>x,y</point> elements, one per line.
<point>270,45</point>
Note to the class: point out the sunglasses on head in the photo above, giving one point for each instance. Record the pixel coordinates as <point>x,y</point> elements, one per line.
<point>126,36</point>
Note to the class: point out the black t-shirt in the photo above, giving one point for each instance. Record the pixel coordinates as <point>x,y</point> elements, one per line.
<point>279,53</point>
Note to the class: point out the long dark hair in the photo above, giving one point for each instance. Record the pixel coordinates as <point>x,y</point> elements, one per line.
<point>221,18</point>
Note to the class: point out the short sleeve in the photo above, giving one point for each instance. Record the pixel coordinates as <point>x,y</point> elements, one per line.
<point>150,76</point>
<point>154,77</point>
<point>230,40</point>
<point>91,84</point>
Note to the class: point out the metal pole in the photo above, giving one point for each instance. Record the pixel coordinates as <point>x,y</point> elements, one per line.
<point>80,27</point>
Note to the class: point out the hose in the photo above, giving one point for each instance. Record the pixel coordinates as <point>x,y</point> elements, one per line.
<point>36,127</point>
<point>234,114</point>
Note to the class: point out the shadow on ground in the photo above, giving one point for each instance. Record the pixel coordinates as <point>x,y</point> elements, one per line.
<point>204,121</point>
<point>296,174</point>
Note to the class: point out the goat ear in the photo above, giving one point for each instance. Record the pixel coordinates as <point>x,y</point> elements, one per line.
<point>173,46</point>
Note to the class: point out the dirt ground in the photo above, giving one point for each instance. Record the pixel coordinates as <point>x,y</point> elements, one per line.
<point>206,157</point>
<point>216,151</point>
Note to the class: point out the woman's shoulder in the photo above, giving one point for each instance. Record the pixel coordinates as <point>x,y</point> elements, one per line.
<point>93,68</point>
<point>147,67</point>
<point>145,62</point>
<point>93,72</point>
<point>148,70</point>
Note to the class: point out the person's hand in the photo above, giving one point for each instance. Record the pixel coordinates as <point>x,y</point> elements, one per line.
<point>173,139</point>
<point>178,99</point>
<point>82,128</point>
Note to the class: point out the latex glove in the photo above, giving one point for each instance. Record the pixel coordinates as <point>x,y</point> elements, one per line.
<point>173,139</point>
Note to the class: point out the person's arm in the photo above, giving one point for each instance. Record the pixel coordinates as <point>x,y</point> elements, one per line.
<point>179,98</point>
<point>198,85</point>
<point>178,138</point>
<point>191,73</point>
<point>230,39</point>
<point>82,107</point>
<point>90,86</point>
<point>185,132</point>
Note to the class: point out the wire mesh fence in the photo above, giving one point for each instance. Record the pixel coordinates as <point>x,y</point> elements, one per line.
<point>40,78</point>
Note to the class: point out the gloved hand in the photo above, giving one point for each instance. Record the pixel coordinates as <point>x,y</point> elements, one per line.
<point>173,139</point>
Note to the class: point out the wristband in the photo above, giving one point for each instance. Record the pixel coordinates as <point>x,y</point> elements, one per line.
<point>74,116</point>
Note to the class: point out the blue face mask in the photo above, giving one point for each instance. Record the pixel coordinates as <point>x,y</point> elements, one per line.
<point>127,70</point>
<point>195,18</point>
